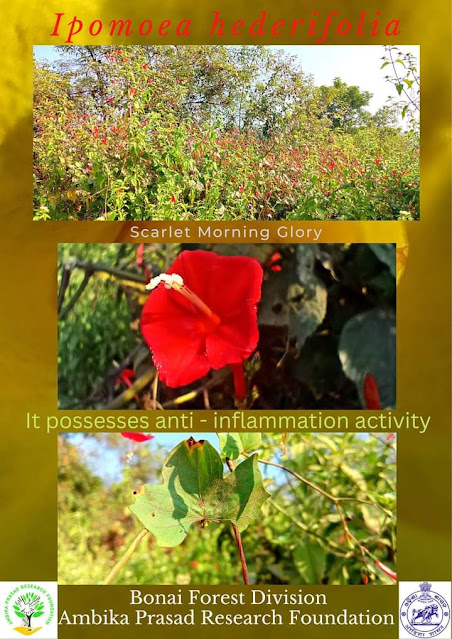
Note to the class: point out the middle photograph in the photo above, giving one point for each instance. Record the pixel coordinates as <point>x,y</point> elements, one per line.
<point>225,326</point>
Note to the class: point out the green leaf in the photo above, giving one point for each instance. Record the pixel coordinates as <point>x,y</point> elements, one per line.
<point>310,561</point>
<point>368,346</point>
<point>234,444</point>
<point>307,298</point>
<point>373,518</point>
<point>386,253</point>
<point>194,491</point>
<point>399,87</point>
<point>354,476</point>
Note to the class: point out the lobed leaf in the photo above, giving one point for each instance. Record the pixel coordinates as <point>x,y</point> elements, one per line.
<point>195,491</point>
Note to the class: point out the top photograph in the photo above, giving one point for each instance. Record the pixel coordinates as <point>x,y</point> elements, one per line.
<point>226,133</point>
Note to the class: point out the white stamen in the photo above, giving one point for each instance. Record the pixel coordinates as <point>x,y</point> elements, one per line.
<point>172,280</point>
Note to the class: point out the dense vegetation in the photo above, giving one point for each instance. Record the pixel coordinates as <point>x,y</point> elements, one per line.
<point>326,320</point>
<point>300,537</point>
<point>215,133</point>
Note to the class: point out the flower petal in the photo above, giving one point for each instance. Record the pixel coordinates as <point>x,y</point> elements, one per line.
<point>174,333</point>
<point>184,341</point>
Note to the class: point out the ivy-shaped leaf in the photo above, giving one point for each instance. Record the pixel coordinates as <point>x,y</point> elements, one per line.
<point>234,444</point>
<point>195,491</point>
<point>368,346</point>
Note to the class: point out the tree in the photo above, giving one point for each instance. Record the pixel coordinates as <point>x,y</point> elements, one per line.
<point>385,119</point>
<point>344,105</point>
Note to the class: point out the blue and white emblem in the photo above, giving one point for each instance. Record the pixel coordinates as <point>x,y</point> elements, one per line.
<point>425,613</point>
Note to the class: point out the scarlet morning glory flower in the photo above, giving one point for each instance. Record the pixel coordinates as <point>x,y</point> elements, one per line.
<point>202,314</point>
<point>137,437</point>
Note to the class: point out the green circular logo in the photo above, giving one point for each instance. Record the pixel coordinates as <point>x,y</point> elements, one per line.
<point>28,608</point>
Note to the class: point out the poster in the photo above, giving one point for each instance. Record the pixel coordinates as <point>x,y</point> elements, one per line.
<point>225,320</point>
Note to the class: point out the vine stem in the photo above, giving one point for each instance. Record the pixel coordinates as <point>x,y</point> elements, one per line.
<point>336,501</point>
<point>332,546</point>
<point>238,539</point>
<point>125,558</point>
<point>297,476</point>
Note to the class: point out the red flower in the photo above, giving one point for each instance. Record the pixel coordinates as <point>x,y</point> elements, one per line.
<point>371,394</point>
<point>132,91</point>
<point>202,317</point>
<point>274,262</point>
<point>137,437</point>
<point>126,376</point>
<point>110,100</point>
<point>173,199</point>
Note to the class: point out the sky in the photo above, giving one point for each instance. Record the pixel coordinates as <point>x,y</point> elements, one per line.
<point>107,463</point>
<point>358,65</point>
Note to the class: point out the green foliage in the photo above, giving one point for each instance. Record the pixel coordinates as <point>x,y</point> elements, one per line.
<point>211,132</point>
<point>194,491</point>
<point>310,561</point>
<point>298,537</point>
<point>97,332</point>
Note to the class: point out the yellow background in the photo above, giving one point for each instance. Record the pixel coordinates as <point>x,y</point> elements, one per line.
<point>28,330</point>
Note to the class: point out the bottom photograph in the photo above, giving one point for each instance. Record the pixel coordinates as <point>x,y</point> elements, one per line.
<point>161,509</point>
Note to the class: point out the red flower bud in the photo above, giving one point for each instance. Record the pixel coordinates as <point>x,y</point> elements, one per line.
<point>386,570</point>
<point>371,394</point>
